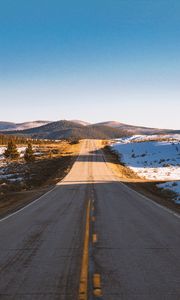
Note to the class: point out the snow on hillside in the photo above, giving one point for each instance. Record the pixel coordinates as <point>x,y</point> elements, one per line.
<point>154,157</point>
<point>150,158</point>
<point>80,122</point>
<point>7,126</point>
<point>153,137</point>
<point>28,125</point>
<point>173,186</point>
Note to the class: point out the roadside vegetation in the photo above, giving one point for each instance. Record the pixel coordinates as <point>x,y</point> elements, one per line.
<point>148,164</point>
<point>28,168</point>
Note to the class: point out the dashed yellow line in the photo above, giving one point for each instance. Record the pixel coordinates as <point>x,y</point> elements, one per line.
<point>94,238</point>
<point>93,219</point>
<point>83,288</point>
<point>97,291</point>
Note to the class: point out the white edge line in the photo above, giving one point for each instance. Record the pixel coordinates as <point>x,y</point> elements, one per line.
<point>36,200</point>
<point>127,187</point>
<point>146,198</point>
<point>152,201</point>
<point>24,207</point>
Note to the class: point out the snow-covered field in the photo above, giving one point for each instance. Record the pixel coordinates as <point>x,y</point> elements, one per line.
<point>21,150</point>
<point>5,171</point>
<point>152,157</point>
<point>2,149</point>
<point>173,186</point>
<point>153,137</point>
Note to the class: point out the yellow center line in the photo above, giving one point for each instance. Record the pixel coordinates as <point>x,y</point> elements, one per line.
<point>97,285</point>
<point>83,288</point>
<point>93,219</point>
<point>94,238</point>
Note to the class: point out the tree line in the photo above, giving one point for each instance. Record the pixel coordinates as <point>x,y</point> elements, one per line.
<point>21,140</point>
<point>11,152</point>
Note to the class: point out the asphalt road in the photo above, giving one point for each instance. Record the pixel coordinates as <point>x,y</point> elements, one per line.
<point>137,252</point>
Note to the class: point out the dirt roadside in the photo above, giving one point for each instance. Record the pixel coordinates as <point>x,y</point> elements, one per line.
<point>40,176</point>
<point>131,179</point>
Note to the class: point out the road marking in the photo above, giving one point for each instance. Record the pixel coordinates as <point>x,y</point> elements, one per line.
<point>97,291</point>
<point>94,238</point>
<point>168,210</point>
<point>27,205</point>
<point>45,194</point>
<point>93,218</point>
<point>83,288</point>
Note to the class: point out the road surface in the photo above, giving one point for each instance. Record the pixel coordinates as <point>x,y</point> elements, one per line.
<point>134,244</point>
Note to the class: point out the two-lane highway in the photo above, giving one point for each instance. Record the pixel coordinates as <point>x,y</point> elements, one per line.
<point>134,243</point>
<point>41,245</point>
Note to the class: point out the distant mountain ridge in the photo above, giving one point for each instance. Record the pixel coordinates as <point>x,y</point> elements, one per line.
<point>21,126</point>
<point>80,122</point>
<point>133,129</point>
<point>77,129</point>
<point>69,130</point>
<point>7,126</point>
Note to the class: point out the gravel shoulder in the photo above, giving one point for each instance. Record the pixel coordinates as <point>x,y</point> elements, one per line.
<point>38,177</point>
<point>145,187</point>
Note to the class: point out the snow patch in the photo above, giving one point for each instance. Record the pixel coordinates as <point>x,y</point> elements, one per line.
<point>150,158</point>
<point>173,186</point>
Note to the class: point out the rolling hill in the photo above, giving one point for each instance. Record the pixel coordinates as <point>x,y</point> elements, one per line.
<point>4,126</point>
<point>70,130</point>
<point>79,130</point>
<point>132,129</point>
<point>7,126</point>
<point>80,122</point>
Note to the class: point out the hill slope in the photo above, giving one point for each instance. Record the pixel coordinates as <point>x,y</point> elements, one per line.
<point>7,126</point>
<point>70,130</point>
<point>132,129</point>
<point>4,126</point>
<point>80,130</point>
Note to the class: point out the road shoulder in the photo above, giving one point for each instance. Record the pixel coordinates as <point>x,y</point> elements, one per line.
<point>144,187</point>
<point>48,172</point>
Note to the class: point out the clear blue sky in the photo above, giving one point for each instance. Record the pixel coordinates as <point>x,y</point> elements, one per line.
<point>92,60</point>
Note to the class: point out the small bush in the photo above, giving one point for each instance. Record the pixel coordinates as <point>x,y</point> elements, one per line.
<point>11,152</point>
<point>29,154</point>
<point>55,151</point>
<point>74,142</point>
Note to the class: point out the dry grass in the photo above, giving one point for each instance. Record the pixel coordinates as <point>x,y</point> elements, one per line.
<point>123,172</point>
<point>49,168</point>
<point>146,187</point>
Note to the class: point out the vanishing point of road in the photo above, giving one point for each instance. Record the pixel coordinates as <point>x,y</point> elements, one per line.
<point>91,237</point>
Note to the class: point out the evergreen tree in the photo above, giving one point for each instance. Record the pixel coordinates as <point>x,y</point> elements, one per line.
<point>29,153</point>
<point>11,152</point>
